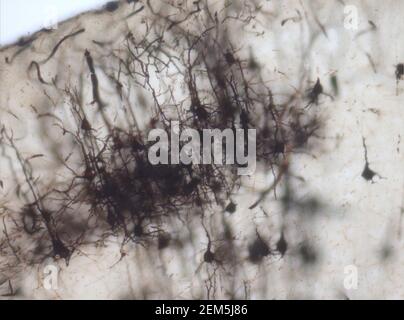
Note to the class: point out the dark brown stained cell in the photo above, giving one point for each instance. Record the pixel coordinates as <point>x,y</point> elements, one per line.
<point>229,58</point>
<point>372,24</point>
<point>231,207</point>
<point>201,112</point>
<point>228,233</point>
<point>386,252</point>
<point>334,84</point>
<point>301,136</point>
<point>311,205</point>
<point>85,125</point>
<point>163,241</point>
<point>399,71</point>
<point>138,230</point>
<point>112,6</point>
<point>209,256</point>
<point>253,64</point>
<point>258,250</point>
<point>307,254</point>
<point>282,245</point>
<point>25,41</point>
<point>278,147</point>
<point>60,250</point>
<point>367,173</point>
<point>315,93</point>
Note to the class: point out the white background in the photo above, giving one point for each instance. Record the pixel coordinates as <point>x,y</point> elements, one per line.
<point>22,17</point>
